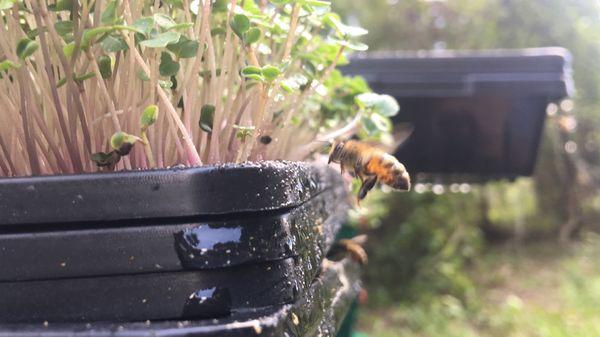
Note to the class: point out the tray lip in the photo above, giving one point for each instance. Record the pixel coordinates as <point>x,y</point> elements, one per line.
<point>190,191</point>
<point>248,165</point>
<point>559,53</point>
<point>541,72</point>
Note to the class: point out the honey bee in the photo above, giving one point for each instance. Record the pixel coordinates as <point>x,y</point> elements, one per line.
<point>370,164</point>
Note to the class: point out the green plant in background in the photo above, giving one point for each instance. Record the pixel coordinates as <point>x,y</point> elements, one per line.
<point>234,81</point>
<point>425,281</point>
<point>421,248</point>
<point>429,240</point>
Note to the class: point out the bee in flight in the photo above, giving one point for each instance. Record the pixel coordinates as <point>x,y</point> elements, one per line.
<point>370,164</point>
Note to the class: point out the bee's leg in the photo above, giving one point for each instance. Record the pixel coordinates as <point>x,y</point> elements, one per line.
<point>359,171</point>
<point>367,185</point>
<point>354,248</point>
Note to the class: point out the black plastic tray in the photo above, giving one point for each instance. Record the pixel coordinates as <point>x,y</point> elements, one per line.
<point>167,246</point>
<point>318,313</point>
<point>472,113</point>
<point>152,296</point>
<point>201,191</point>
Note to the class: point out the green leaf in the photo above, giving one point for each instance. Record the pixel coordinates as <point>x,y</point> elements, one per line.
<point>251,8</point>
<point>85,76</point>
<point>7,65</point>
<point>117,140</point>
<point>144,25</point>
<point>62,82</point>
<point>252,72</point>
<point>149,116</point>
<point>318,3</point>
<point>255,77</point>
<point>167,66</point>
<point>368,125</point>
<point>354,45</point>
<point>64,27</point>
<point>333,20</point>
<point>162,40</point>
<point>165,84</point>
<point>220,5</point>
<point>252,35</point>
<point>182,25</point>
<point>207,116</point>
<point>164,21</point>
<point>270,72</point>
<point>89,35</point>
<point>26,47</point>
<point>240,24</point>
<point>68,49</point>
<point>105,65</point>
<point>78,79</point>
<point>125,27</point>
<point>184,48</point>
<point>286,87</point>
<point>307,9</point>
<point>109,15</point>
<point>6,4</point>
<point>357,84</point>
<point>123,142</point>
<point>114,44</point>
<point>243,132</point>
<point>384,105</point>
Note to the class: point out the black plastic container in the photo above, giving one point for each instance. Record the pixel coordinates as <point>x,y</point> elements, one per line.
<point>473,112</point>
<point>318,313</point>
<point>168,245</point>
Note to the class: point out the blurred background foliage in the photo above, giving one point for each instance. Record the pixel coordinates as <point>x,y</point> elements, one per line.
<point>507,258</point>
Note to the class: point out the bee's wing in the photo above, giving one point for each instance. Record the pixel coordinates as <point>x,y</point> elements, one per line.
<point>400,134</point>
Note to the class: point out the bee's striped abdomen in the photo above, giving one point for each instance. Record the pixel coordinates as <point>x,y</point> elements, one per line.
<point>388,170</point>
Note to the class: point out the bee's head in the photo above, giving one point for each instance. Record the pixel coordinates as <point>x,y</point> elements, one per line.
<point>336,151</point>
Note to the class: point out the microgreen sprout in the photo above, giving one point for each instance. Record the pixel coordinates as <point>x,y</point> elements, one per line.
<point>234,81</point>
<point>149,117</point>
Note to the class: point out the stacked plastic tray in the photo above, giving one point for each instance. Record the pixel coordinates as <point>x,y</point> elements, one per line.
<point>223,251</point>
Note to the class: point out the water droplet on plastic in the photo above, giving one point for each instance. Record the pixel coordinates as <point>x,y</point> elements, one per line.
<point>208,303</point>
